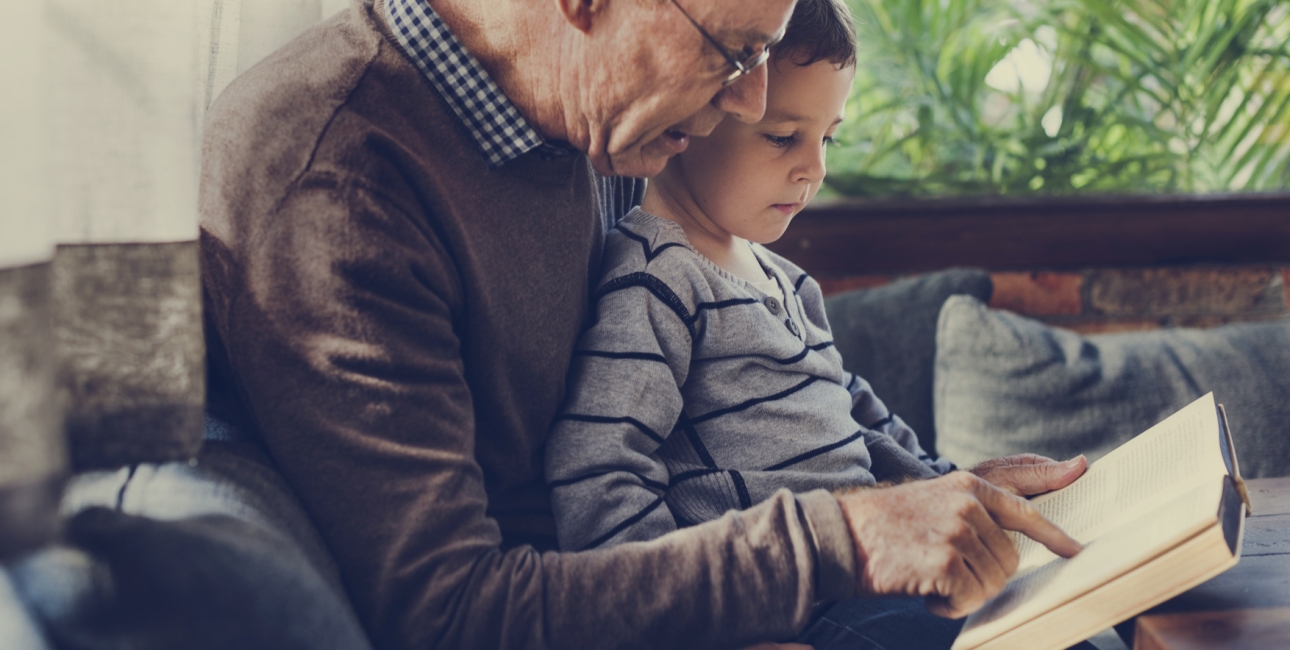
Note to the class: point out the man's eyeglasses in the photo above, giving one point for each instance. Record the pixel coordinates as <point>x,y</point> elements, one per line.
<point>746,60</point>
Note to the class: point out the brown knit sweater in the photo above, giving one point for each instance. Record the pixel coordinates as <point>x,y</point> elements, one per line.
<point>395,321</point>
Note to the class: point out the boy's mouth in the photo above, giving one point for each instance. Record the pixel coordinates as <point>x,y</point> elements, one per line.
<point>787,208</point>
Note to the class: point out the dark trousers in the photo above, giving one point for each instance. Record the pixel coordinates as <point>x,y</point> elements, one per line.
<point>884,624</point>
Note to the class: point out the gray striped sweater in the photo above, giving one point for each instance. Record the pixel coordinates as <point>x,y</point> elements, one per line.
<point>694,392</point>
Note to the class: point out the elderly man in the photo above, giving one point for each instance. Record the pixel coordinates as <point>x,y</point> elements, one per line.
<point>402,212</point>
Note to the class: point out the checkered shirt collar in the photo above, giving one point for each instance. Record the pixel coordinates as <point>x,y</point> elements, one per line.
<point>499,130</point>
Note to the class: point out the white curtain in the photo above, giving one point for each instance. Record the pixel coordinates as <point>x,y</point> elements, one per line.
<point>32,452</point>
<point>122,79</point>
<point>127,83</point>
<point>25,233</point>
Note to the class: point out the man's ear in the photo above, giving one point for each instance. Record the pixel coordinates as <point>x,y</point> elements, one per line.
<point>580,13</point>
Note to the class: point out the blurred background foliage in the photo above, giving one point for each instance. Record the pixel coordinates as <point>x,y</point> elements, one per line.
<point>1014,97</point>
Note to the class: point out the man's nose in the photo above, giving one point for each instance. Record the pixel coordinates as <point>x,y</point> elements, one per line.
<point>745,99</point>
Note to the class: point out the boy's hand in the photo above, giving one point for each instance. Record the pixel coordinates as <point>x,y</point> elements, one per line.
<point>1027,474</point>
<point>943,538</point>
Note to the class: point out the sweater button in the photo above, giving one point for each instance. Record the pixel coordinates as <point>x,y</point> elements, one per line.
<point>772,304</point>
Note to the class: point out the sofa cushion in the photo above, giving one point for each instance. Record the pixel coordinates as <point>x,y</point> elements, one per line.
<point>213,554</point>
<point>887,335</point>
<point>1007,384</point>
<point>18,628</point>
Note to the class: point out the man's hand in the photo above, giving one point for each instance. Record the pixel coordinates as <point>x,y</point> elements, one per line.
<point>1027,474</point>
<point>943,538</point>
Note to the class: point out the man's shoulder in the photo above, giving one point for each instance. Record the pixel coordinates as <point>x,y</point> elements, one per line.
<point>262,133</point>
<point>297,88</point>
<point>341,104</point>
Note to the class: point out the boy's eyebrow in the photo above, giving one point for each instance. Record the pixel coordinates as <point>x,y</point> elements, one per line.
<point>779,118</point>
<point>783,117</point>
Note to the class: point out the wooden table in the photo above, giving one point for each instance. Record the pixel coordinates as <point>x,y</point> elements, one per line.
<point>1246,607</point>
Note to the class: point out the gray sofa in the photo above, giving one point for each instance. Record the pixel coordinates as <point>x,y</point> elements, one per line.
<point>211,553</point>
<point>218,553</point>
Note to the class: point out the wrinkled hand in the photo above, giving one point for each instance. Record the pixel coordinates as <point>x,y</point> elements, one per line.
<point>943,539</point>
<point>1027,474</point>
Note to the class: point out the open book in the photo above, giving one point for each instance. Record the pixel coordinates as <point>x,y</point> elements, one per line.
<point>1159,515</point>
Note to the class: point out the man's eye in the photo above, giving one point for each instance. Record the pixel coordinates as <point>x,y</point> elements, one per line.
<point>781,140</point>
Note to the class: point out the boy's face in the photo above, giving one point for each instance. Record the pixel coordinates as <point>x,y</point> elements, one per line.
<point>750,179</point>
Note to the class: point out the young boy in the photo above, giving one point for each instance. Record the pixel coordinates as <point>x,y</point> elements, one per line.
<point>709,379</point>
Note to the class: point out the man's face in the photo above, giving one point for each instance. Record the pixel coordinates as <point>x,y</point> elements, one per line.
<point>659,81</point>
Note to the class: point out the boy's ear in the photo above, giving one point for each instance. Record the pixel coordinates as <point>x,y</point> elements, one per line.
<point>579,13</point>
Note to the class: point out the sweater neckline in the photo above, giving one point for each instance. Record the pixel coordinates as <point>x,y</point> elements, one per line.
<point>674,233</point>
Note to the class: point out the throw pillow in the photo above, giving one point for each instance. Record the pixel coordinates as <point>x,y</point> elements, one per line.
<point>1006,384</point>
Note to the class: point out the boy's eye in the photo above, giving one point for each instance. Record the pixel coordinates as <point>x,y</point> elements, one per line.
<point>781,140</point>
<point>829,141</point>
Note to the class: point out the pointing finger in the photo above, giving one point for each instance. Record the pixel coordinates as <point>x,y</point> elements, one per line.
<point>999,545</point>
<point>1014,513</point>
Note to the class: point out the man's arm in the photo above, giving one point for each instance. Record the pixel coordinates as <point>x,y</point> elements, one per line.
<point>341,316</point>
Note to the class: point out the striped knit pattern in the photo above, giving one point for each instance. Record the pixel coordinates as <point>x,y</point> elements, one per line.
<point>692,394</point>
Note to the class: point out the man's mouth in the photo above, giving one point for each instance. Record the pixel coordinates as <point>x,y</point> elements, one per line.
<point>675,141</point>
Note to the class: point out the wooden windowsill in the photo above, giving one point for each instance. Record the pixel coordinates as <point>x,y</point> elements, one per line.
<point>852,237</point>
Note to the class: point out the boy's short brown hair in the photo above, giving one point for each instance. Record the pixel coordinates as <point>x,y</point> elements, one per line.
<point>819,30</point>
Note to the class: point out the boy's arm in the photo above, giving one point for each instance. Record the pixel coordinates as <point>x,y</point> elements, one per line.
<point>607,481</point>
<point>872,414</point>
<point>894,448</point>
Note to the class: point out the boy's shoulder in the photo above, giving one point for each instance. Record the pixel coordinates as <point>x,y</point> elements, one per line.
<point>648,244</point>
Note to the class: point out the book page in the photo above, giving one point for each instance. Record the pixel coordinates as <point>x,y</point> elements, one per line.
<point>1182,451</point>
<point>1103,559</point>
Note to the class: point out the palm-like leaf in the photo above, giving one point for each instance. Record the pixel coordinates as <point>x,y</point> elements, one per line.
<point>1153,95</point>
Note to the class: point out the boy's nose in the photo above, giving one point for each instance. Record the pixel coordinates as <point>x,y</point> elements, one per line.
<point>812,168</point>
